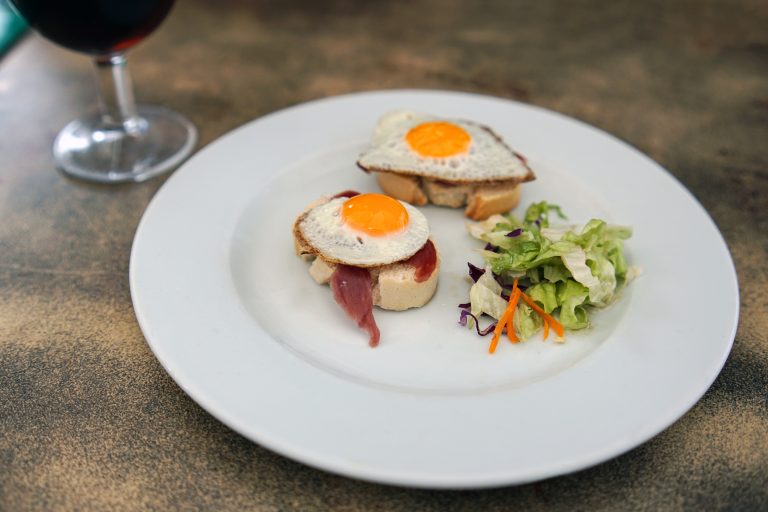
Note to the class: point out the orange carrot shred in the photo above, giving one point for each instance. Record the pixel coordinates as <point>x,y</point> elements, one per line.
<point>546,330</point>
<point>514,298</point>
<point>506,319</point>
<point>558,328</point>
<point>497,333</point>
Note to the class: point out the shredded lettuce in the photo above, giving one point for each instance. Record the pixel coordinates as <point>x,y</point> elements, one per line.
<point>485,297</point>
<point>526,322</point>
<point>539,213</point>
<point>565,269</point>
<point>571,298</point>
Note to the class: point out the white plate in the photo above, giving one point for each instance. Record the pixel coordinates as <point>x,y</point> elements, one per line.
<point>236,320</point>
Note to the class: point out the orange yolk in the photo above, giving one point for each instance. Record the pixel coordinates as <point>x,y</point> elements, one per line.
<point>374,214</point>
<point>438,139</point>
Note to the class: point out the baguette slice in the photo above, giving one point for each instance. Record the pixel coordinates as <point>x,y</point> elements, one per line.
<point>485,179</point>
<point>482,200</point>
<point>394,286</point>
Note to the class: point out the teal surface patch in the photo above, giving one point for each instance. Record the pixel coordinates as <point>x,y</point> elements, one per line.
<point>12,27</point>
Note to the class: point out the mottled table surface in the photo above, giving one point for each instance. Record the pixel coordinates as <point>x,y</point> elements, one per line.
<point>88,418</point>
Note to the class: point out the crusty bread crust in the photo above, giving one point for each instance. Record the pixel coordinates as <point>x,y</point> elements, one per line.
<point>405,188</point>
<point>481,200</point>
<point>485,201</point>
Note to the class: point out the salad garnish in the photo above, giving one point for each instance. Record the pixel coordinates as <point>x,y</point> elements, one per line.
<point>540,276</point>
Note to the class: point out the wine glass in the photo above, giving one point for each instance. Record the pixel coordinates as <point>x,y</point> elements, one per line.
<point>123,142</point>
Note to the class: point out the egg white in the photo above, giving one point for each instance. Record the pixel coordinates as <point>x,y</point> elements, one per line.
<point>488,158</point>
<point>324,230</point>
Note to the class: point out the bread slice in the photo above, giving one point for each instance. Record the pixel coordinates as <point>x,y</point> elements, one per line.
<point>394,285</point>
<point>404,188</point>
<point>482,200</point>
<point>485,179</point>
<point>486,200</point>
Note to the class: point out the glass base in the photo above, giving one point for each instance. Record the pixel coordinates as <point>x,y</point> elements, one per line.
<point>155,142</point>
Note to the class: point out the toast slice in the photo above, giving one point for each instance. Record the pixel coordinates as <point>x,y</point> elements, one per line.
<point>394,286</point>
<point>481,200</point>
<point>454,162</point>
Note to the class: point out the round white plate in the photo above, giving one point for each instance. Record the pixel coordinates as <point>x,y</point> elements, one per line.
<point>236,320</point>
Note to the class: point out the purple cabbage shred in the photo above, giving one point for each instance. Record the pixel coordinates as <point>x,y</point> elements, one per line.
<point>481,332</point>
<point>490,247</point>
<point>475,272</point>
<point>515,232</point>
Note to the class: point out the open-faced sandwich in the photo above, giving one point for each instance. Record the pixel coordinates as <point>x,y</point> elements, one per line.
<point>423,159</point>
<point>372,250</point>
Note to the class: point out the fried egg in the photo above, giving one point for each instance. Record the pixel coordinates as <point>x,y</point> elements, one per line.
<point>451,150</point>
<point>366,230</point>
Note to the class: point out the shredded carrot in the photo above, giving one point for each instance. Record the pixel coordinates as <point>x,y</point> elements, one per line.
<point>559,330</point>
<point>514,298</point>
<point>505,318</point>
<point>508,317</point>
<point>497,333</point>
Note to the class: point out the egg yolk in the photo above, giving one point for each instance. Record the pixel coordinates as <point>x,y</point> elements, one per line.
<point>438,139</point>
<point>374,214</point>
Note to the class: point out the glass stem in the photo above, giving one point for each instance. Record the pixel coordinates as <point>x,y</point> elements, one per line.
<point>118,108</point>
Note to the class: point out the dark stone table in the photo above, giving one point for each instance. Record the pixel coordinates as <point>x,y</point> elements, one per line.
<point>88,418</point>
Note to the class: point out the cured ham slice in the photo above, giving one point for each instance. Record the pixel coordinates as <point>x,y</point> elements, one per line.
<point>347,193</point>
<point>425,261</point>
<point>352,290</point>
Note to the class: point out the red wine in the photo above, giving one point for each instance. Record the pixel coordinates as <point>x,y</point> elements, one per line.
<point>94,26</point>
